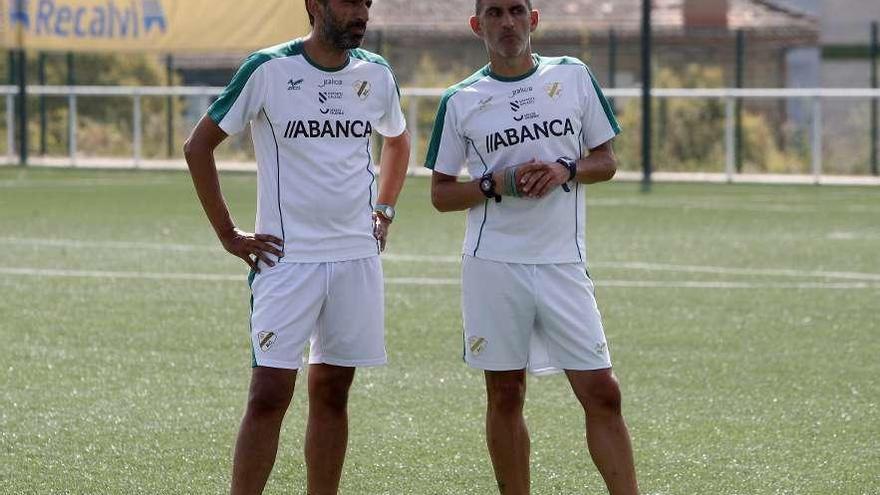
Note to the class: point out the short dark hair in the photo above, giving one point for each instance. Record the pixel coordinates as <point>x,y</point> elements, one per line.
<point>479,5</point>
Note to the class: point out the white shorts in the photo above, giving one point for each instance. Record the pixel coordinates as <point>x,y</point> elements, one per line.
<point>543,318</point>
<point>337,307</point>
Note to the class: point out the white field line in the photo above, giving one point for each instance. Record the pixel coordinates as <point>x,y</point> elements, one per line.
<point>74,244</point>
<point>640,284</point>
<point>73,183</point>
<point>728,205</point>
<point>416,258</point>
<point>718,270</point>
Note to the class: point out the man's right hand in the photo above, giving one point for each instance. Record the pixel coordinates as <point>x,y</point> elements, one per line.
<point>523,170</point>
<point>252,248</point>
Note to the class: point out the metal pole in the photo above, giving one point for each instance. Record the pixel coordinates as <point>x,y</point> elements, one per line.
<point>71,110</point>
<point>71,128</point>
<point>612,62</point>
<point>10,110</point>
<point>729,137</point>
<point>646,96</point>
<point>740,79</point>
<point>137,130</point>
<point>875,103</point>
<point>41,76</point>
<point>413,120</point>
<point>10,127</point>
<point>71,72</point>
<point>169,102</point>
<point>817,139</point>
<point>22,108</point>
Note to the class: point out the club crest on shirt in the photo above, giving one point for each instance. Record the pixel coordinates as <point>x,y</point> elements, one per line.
<point>553,89</point>
<point>477,345</point>
<point>362,89</point>
<point>267,339</point>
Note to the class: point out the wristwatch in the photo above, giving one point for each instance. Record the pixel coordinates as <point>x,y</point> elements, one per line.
<point>487,187</point>
<point>572,166</point>
<point>387,212</point>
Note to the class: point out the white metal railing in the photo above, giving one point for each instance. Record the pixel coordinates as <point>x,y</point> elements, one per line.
<point>728,95</point>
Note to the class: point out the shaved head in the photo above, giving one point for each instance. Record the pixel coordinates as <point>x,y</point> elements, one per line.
<point>478,8</point>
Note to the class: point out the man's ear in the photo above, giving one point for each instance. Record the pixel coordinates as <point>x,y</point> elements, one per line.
<point>476,27</point>
<point>535,18</point>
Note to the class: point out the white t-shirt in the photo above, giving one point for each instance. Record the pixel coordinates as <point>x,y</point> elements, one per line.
<point>311,129</point>
<point>488,122</point>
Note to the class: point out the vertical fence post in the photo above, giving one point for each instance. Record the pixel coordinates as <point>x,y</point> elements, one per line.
<point>730,103</point>
<point>71,127</point>
<point>740,83</point>
<point>612,63</point>
<point>413,119</point>
<point>137,130</point>
<point>169,102</point>
<point>875,102</point>
<point>10,110</point>
<point>10,127</point>
<point>71,110</point>
<point>22,108</point>
<point>817,139</point>
<point>41,77</point>
<point>646,95</point>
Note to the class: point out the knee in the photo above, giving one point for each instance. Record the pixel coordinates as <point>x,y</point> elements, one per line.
<point>268,402</point>
<point>507,397</point>
<point>603,398</point>
<point>329,392</point>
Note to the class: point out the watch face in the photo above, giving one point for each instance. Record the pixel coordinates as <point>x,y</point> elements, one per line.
<point>386,211</point>
<point>486,185</point>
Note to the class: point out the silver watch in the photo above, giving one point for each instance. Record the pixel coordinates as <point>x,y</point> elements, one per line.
<point>387,211</point>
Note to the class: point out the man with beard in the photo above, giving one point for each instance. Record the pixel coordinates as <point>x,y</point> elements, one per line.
<point>312,105</point>
<point>527,300</point>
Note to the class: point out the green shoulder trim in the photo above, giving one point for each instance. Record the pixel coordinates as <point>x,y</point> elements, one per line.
<point>218,110</point>
<point>609,112</point>
<point>440,119</point>
<point>367,56</point>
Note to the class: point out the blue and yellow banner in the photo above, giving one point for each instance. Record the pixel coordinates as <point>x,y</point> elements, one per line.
<point>167,26</point>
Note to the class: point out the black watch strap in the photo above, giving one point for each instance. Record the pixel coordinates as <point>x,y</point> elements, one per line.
<point>572,166</point>
<point>487,187</point>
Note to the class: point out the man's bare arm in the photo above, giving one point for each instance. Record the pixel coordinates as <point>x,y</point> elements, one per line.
<point>199,153</point>
<point>392,175</point>
<point>449,194</point>
<point>599,166</point>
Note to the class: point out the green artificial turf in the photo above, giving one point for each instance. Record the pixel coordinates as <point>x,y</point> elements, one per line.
<point>743,323</point>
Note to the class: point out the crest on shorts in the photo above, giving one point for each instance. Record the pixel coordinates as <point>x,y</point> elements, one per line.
<point>601,347</point>
<point>362,89</point>
<point>477,345</point>
<point>554,89</point>
<point>267,340</point>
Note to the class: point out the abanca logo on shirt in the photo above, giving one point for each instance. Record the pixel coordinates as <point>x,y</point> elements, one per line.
<point>533,132</point>
<point>327,129</point>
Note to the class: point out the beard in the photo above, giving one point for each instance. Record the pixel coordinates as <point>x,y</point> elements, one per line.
<point>342,36</point>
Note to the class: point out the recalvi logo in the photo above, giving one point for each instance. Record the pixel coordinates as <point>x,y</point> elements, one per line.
<point>117,19</point>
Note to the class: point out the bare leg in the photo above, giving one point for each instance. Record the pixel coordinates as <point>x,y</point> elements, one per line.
<point>607,435</point>
<point>327,431</point>
<point>506,434</point>
<point>257,444</point>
